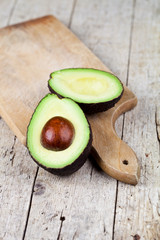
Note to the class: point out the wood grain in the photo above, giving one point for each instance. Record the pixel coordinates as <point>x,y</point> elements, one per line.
<point>102,185</point>
<point>138,209</point>
<point>17,170</point>
<point>120,162</point>
<point>87,200</point>
<point>6,11</point>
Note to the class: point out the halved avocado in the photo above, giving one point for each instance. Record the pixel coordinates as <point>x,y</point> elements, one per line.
<point>59,136</point>
<point>94,90</point>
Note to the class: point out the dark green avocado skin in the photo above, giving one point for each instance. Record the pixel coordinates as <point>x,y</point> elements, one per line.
<point>77,164</point>
<point>99,107</point>
<point>91,108</point>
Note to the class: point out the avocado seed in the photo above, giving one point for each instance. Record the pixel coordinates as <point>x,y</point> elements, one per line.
<point>57,134</point>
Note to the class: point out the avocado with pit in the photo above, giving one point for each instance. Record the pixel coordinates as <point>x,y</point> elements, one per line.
<point>59,136</point>
<point>94,90</point>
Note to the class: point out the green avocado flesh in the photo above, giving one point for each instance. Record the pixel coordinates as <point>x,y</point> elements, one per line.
<point>49,107</point>
<point>86,85</point>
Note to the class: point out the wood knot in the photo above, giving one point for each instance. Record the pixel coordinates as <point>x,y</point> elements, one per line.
<point>39,189</point>
<point>62,218</point>
<point>136,237</point>
<point>125,162</point>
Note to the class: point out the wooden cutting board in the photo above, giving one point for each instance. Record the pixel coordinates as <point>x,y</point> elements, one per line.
<point>29,52</point>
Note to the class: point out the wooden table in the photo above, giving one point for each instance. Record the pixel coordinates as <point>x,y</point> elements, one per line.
<point>89,205</point>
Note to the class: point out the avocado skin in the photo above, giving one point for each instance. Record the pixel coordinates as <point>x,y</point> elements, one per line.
<point>99,107</point>
<point>77,164</point>
<point>91,108</point>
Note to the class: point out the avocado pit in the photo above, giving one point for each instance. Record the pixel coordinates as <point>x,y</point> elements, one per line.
<point>57,134</point>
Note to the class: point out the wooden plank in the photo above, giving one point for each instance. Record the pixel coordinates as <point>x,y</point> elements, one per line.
<point>82,206</point>
<point>138,208</point>
<point>16,175</point>
<point>26,10</point>
<point>16,179</point>
<point>17,172</point>
<point>6,10</point>
<point>155,155</point>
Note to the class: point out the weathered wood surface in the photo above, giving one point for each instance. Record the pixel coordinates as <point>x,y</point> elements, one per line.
<point>84,202</point>
<point>125,35</point>
<point>139,208</point>
<point>17,170</point>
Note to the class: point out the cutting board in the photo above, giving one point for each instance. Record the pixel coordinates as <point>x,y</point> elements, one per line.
<point>29,52</point>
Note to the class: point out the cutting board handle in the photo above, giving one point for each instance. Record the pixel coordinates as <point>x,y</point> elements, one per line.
<point>112,154</point>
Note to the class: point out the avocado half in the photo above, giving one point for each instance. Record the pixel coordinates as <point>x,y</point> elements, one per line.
<point>66,161</point>
<point>94,90</point>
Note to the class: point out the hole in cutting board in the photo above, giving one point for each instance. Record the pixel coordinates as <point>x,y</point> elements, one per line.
<point>125,162</point>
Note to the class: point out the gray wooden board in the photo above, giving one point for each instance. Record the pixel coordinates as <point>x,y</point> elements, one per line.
<point>138,209</point>
<point>17,172</point>
<point>125,35</point>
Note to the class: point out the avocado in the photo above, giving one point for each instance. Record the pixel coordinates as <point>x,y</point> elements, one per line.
<point>59,136</point>
<point>94,90</point>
